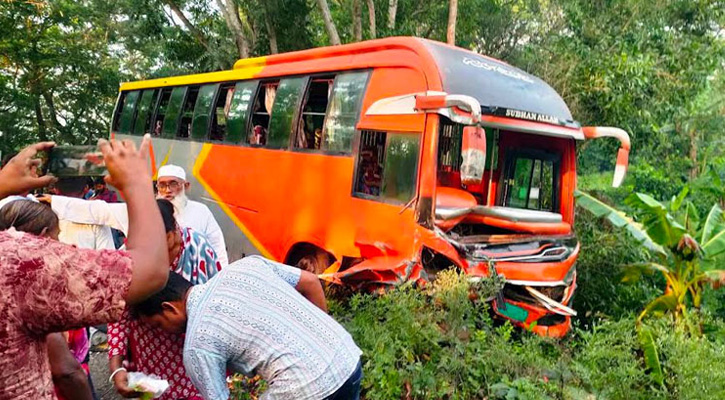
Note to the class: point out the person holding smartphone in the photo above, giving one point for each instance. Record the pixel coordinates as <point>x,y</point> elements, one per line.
<point>53,287</point>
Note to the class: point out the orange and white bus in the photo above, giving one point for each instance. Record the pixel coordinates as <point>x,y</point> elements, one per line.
<point>380,162</point>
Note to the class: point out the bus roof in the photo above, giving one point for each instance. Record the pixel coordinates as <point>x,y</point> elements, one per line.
<point>500,88</point>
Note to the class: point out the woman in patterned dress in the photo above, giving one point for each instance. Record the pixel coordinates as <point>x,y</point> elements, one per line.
<point>152,351</point>
<point>26,214</point>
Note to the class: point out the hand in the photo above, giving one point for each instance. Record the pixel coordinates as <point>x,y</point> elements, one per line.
<point>120,381</point>
<point>19,176</point>
<point>45,199</point>
<point>126,166</point>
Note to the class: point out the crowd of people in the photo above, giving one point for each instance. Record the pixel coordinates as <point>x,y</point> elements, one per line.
<point>174,305</point>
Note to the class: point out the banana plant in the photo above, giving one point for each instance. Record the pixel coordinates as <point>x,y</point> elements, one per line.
<point>685,250</point>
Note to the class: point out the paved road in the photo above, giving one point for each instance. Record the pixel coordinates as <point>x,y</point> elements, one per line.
<point>99,372</point>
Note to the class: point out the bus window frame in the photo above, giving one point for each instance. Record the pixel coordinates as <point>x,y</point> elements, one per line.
<point>513,154</point>
<point>132,117</point>
<point>116,113</point>
<point>300,112</point>
<point>356,134</point>
<point>156,109</point>
<point>382,198</point>
<point>149,112</point>
<point>211,108</point>
<point>175,135</point>
<point>355,139</point>
<point>180,117</point>
<point>245,128</point>
<point>250,112</point>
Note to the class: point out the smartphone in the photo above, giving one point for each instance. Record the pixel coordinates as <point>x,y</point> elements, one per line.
<point>68,161</point>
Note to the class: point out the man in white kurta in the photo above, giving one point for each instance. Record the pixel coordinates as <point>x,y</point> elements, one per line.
<point>85,236</point>
<point>172,185</point>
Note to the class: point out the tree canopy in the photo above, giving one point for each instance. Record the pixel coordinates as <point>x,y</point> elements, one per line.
<point>652,68</point>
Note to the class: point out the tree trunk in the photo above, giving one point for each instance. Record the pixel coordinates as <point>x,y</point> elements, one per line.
<point>452,15</point>
<point>392,10</point>
<point>371,15</point>
<point>329,23</point>
<point>271,33</point>
<point>53,116</point>
<point>192,29</point>
<point>234,23</point>
<point>692,134</point>
<point>42,131</point>
<point>356,20</point>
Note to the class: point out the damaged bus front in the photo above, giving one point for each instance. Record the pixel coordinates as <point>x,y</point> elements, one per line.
<point>501,198</point>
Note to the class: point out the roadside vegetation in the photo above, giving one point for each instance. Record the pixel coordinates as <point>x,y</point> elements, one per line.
<point>441,343</point>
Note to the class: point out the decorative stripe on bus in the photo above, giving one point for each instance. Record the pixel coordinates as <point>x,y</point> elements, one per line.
<point>224,206</point>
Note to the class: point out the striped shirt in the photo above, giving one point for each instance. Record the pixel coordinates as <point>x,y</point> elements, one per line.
<point>250,319</point>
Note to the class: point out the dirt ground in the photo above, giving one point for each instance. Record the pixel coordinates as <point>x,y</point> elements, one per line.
<point>99,372</point>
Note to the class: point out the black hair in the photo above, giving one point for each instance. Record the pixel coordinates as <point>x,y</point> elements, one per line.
<point>175,290</point>
<point>99,180</point>
<point>71,185</point>
<point>167,214</point>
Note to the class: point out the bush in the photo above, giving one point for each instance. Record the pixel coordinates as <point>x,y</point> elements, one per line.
<point>601,292</point>
<point>441,343</point>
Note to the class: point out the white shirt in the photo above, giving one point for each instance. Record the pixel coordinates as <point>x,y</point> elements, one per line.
<point>86,236</point>
<point>195,215</point>
<point>250,318</point>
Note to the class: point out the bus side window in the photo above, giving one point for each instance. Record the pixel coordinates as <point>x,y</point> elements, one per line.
<point>187,112</point>
<point>261,113</point>
<point>129,109</point>
<point>144,110</point>
<point>343,111</point>
<point>118,111</point>
<point>388,165</point>
<point>309,130</point>
<point>236,110</point>
<point>202,111</point>
<point>220,111</point>
<point>284,111</point>
<point>160,114</point>
<point>173,112</point>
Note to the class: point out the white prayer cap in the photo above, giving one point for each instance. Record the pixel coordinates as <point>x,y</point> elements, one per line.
<point>172,170</point>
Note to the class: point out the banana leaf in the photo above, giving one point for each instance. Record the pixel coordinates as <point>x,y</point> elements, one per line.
<point>651,355</point>
<point>713,239</point>
<point>616,218</point>
<point>632,272</point>
<point>666,302</point>
<point>659,224</point>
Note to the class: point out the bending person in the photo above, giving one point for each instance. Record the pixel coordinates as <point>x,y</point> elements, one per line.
<point>153,351</point>
<point>53,287</point>
<point>173,186</point>
<point>259,317</point>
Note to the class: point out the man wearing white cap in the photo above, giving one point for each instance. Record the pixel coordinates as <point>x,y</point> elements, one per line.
<point>172,185</point>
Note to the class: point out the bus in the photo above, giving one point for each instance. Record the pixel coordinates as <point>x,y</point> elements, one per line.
<point>381,162</point>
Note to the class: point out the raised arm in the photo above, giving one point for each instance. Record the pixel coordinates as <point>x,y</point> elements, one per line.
<point>19,175</point>
<point>92,212</point>
<point>146,242</point>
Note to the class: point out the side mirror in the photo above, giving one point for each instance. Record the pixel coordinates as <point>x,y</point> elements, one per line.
<point>473,152</point>
<point>620,169</point>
